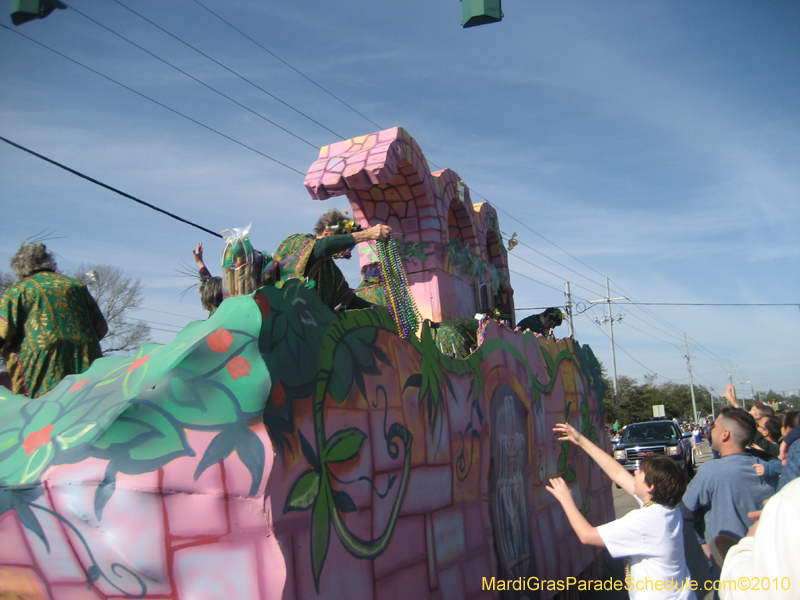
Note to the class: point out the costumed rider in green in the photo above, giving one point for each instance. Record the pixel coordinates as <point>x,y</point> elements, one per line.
<point>309,257</point>
<point>50,326</point>
<point>542,323</point>
<point>371,287</point>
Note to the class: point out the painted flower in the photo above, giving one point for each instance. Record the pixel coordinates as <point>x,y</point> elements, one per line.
<point>138,363</point>
<point>220,340</point>
<point>37,439</point>
<point>238,367</point>
<point>278,395</point>
<point>78,385</point>
<point>263,304</point>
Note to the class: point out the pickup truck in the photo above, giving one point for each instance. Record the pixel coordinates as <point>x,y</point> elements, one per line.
<point>655,437</point>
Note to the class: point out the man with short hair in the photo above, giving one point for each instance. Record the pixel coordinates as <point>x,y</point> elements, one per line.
<point>758,411</point>
<point>770,428</point>
<point>726,489</point>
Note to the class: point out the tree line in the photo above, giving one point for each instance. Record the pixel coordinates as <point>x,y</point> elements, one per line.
<point>636,401</point>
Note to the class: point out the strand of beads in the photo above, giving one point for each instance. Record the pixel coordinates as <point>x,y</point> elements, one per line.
<point>395,284</point>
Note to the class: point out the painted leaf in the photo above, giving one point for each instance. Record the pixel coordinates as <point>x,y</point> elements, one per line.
<point>570,474</point>
<point>344,445</point>
<point>320,532</point>
<point>30,522</point>
<point>219,448</point>
<point>37,462</point>
<point>104,492</point>
<point>308,451</point>
<point>250,450</point>
<point>143,433</point>
<point>551,367</point>
<point>342,375</point>
<point>76,434</point>
<point>381,356</point>
<point>343,502</point>
<point>8,441</point>
<point>201,401</point>
<point>93,573</point>
<point>304,492</point>
<point>562,458</point>
<point>414,380</point>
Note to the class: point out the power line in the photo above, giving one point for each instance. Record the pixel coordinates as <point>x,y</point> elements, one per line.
<point>242,77</point>
<point>166,313</point>
<point>108,187</point>
<point>717,304</point>
<point>213,89</point>
<point>635,316</point>
<point>521,243</point>
<point>548,272</point>
<point>648,334</point>
<point>536,281</point>
<point>177,327</point>
<point>270,52</point>
<point>165,330</point>
<point>162,105</point>
<point>623,349</point>
<point>541,236</point>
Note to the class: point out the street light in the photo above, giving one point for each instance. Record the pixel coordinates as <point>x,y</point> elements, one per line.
<point>23,11</point>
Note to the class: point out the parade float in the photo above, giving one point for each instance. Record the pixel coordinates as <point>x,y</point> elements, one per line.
<point>280,451</point>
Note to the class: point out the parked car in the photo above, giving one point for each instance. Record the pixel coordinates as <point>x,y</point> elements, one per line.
<point>655,437</point>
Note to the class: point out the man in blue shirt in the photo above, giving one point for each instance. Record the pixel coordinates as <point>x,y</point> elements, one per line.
<point>726,489</point>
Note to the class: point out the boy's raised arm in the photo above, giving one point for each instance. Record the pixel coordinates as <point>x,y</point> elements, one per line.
<point>605,461</point>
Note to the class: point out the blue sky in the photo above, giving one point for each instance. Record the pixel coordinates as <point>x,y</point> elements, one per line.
<point>656,144</point>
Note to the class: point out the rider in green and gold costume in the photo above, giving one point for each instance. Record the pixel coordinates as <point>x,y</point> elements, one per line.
<point>310,257</point>
<point>50,326</point>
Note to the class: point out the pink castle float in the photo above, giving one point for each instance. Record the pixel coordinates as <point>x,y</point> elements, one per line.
<point>279,451</point>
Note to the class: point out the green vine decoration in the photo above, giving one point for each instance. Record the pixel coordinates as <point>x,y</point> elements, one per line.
<point>470,264</point>
<point>348,353</point>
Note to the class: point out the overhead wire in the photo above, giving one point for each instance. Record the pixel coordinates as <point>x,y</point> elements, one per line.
<point>161,104</point>
<point>242,77</point>
<point>166,313</point>
<point>517,257</point>
<point>646,368</point>
<point>521,243</point>
<point>213,89</point>
<point>293,68</point>
<point>108,187</point>
<point>535,280</point>
<point>647,334</point>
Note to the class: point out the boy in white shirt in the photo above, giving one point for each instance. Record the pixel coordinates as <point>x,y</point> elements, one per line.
<point>652,537</point>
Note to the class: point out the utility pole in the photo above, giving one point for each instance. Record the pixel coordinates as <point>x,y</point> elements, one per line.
<point>610,319</point>
<point>730,377</point>
<point>711,395</point>
<point>691,381</point>
<point>568,295</point>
